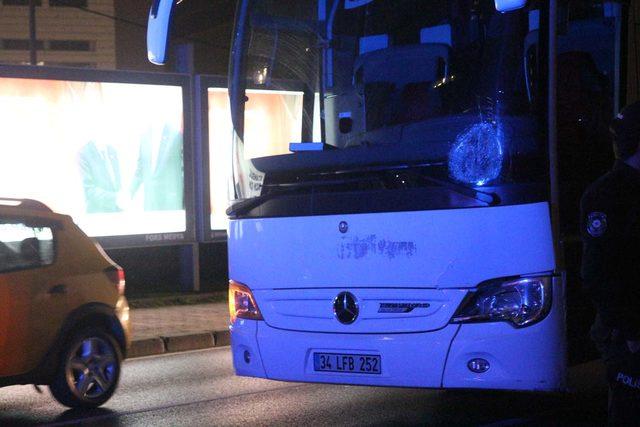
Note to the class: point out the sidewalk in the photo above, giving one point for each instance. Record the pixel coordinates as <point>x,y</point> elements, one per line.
<point>178,328</point>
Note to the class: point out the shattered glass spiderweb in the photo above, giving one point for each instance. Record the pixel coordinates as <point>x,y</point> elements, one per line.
<point>476,155</point>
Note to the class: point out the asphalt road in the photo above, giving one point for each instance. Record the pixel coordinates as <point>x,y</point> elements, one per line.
<point>199,388</point>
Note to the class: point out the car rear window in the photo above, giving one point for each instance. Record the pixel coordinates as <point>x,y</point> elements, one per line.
<point>25,245</point>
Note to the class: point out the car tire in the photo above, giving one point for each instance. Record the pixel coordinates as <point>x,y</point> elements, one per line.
<point>88,371</point>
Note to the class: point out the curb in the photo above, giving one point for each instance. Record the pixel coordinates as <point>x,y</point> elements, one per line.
<point>146,347</point>
<point>176,343</point>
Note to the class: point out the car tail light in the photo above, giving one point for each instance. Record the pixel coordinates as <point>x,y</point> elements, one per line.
<point>242,304</point>
<point>116,275</point>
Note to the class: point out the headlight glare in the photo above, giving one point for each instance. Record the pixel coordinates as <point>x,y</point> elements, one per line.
<point>522,302</point>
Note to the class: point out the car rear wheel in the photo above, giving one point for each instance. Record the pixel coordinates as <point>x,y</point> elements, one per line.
<point>89,370</point>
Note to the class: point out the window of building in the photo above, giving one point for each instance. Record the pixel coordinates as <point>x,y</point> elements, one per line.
<point>68,3</point>
<point>53,45</point>
<point>19,44</point>
<point>71,64</point>
<point>71,45</point>
<point>20,2</point>
<point>24,246</point>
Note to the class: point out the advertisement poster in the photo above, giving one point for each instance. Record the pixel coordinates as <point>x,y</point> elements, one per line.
<point>108,154</point>
<point>273,119</point>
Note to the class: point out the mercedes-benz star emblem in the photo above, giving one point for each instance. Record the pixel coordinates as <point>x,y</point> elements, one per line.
<point>345,308</point>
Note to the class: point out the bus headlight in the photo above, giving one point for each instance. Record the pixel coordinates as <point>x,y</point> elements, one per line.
<point>522,302</point>
<point>242,304</point>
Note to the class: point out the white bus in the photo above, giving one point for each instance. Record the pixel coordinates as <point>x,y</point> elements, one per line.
<point>411,245</point>
<point>404,230</point>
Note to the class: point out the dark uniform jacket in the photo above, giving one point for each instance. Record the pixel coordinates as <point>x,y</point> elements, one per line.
<point>610,227</point>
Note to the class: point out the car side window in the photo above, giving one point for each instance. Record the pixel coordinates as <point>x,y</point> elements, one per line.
<point>24,246</point>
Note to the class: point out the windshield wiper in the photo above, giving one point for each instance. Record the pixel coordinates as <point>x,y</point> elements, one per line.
<point>487,197</point>
<point>246,205</point>
<point>283,189</point>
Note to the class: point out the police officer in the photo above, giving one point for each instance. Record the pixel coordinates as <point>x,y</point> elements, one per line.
<point>610,228</point>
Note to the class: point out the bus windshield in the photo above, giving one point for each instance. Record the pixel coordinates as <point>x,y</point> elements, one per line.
<point>375,96</point>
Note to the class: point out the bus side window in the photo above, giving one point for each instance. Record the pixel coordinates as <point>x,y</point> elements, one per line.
<point>531,43</point>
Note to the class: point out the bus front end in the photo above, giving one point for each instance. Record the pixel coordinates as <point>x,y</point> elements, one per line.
<point>391,222</point>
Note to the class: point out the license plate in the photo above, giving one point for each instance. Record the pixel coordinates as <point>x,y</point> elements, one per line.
<point>347,363</point>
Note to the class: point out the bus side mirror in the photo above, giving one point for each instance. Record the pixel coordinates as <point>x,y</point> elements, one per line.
<point>158,30</point>
<point>509,5</point>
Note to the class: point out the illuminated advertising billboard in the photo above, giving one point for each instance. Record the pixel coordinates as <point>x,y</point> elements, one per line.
<point>109,154</point>
<point>273,120</point>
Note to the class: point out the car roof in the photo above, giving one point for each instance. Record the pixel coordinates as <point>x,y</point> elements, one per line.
<point>30,207</point>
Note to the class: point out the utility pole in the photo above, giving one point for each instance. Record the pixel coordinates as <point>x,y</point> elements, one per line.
<point>33,41</point>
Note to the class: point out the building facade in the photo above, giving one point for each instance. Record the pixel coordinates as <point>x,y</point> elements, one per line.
<point>72,33</point>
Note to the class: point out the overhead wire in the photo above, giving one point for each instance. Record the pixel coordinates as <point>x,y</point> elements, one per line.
<point>143,26</point>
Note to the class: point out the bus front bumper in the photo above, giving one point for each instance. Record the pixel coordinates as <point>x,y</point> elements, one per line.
<point>528,359</point>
